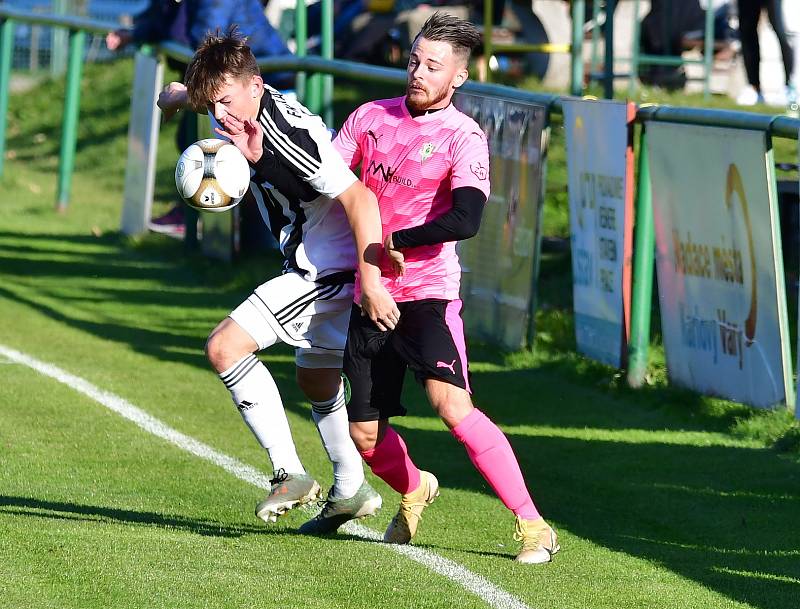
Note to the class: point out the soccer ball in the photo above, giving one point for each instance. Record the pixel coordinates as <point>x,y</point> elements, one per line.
<point>212,175</point>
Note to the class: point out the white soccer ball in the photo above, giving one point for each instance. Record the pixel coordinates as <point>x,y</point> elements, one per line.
<point>212,175</point>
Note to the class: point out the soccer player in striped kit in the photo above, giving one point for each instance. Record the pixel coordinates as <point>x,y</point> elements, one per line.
<point>315,207</point>
<point>428,164</point>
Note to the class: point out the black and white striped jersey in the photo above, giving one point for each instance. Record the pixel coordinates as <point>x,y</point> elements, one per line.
<point>295,184</point>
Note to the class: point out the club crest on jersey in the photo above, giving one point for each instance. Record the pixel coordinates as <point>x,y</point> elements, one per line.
<point>426,151</point>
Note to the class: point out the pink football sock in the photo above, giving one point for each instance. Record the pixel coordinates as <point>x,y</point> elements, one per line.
<point>492,455</point>
<point>389,461</point>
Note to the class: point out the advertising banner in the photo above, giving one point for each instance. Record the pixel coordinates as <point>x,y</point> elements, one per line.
<point>499,263</point>
<point>142,144</point>
<point>600,178</point>
<point>720,271</point>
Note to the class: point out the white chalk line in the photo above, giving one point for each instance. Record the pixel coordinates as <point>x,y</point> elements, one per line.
<point>474,583</point>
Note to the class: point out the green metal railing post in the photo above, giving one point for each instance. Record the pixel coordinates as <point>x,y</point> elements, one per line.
<point>58,40</point>
<point>608,68</point>
<point>326,81</point>
<point>708,51</point>
<point>488,26</point>
<point>6,48</point>
<point>595,37</point>
<point>314,89</point>
<point>301,39</point>
<point>643,258</point>
<point>637,32</point>
<point>69,125</point>
<point>576,50</point>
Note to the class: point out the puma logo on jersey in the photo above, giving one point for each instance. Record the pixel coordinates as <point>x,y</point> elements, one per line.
<point>374,137</point>
<point>450,367</point>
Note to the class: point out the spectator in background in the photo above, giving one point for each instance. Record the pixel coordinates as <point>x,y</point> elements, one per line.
<point>749,15</point>
<point>187,22</point>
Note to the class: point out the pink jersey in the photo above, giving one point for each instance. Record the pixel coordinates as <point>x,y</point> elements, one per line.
<point>412,164</point>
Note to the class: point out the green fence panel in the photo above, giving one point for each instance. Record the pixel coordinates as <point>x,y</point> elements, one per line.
<point>6,48</point>
<point>69,124</point>
<point>643,259</point>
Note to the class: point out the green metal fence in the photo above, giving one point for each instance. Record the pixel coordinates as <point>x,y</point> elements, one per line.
<point>777,126</point>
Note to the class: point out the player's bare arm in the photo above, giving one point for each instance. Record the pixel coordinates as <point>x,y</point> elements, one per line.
<point>173,98</point>
<point>361,208</point>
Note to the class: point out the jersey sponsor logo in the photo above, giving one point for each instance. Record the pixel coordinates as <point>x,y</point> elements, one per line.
<point>388,174</point>
<point>451,367</point>
<point>479,170</point>
<point>374,137</point>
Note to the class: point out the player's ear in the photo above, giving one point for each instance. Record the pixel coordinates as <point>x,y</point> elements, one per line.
<point>460,78</point>
<point>257,85</point>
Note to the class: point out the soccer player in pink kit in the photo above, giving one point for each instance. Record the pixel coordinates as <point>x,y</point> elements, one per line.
<point>428,164</point>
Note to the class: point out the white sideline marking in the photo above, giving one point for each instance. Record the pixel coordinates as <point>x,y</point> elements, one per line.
<point>477,584</point>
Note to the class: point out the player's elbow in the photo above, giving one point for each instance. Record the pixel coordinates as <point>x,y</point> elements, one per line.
<point>468,229</point>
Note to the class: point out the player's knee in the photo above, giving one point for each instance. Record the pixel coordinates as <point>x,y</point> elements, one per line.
<point>214,350</point>
<point>222,352</point>
<point>364,436</point>
<point>452,412</point>
<point>318,384</point>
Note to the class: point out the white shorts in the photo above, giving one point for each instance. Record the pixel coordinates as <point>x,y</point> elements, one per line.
<point>311,315</point>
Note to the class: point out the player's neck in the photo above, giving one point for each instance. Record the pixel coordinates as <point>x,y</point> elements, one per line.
<point>416,113</point>
<point>257,104</point>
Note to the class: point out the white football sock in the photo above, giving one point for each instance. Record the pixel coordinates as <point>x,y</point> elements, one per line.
<point>256,396</point>
<point>334,429</point>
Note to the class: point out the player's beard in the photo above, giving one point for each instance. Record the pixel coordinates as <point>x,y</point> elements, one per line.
<point>420,99</point>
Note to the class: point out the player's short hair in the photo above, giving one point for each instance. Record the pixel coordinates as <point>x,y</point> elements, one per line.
<point>220,56</point>
<point>462,35</point>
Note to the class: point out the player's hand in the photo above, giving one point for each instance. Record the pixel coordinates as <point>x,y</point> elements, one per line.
<point>379,306</point>
<point>396,257</point>
<point>174,97</point>
<point>246,135</point>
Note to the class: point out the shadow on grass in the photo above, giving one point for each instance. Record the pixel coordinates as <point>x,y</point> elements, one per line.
<point>40,508</point>
<point>51,274</point>
<point>722,516</point>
